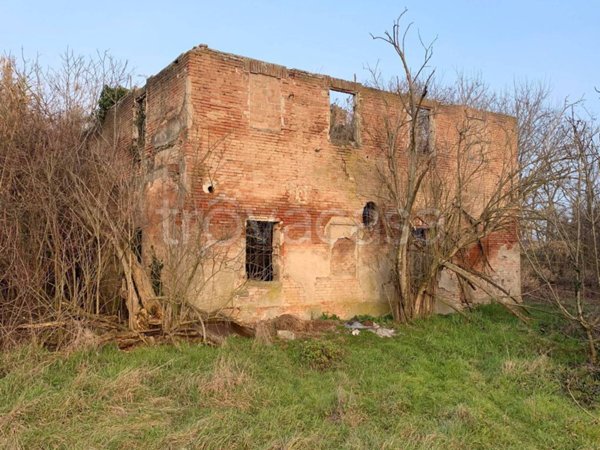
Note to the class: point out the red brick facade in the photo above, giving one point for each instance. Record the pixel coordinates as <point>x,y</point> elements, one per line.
<point>229,139</point>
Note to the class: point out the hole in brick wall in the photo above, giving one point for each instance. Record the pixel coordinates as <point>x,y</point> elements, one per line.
<point>369,215</point>
<point>208,187</point>
<point>259,250</point>
<point>420,256</point>
<point>342,123</point>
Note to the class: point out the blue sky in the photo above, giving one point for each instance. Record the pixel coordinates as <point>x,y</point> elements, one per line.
<point>550,41</point>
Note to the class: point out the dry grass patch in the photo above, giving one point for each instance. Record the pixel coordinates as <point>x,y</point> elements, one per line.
<point>228,384</point>
<point>540,364</point>
<point>346,409</point>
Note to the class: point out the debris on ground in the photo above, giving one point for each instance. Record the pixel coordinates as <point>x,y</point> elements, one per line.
<point>289,327</point>
<point>356,325</point>
<point>286,334</point>
<point>368,325</point>
<point>385,332</point>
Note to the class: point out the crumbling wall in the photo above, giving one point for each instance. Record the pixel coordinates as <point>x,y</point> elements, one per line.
<point>231,139</point>
<point>163,158</point>
<point>278,163</point>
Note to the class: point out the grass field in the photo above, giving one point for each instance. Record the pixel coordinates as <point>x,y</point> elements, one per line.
<point>446,382</point>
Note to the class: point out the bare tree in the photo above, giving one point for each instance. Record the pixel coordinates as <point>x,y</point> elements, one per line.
<point>562,243</point>
<point>72,199</point>
<point>52,266</point>
<point>439,226</point>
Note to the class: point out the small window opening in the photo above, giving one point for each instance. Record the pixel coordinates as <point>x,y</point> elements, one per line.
<point>420,234</point>
<point>342,123</point>
<point>156,267</point>
<point>259,250</point>
<point>137,244</point>
<point>140,126</point>
<point>369,215</point>
<point>423,131</point>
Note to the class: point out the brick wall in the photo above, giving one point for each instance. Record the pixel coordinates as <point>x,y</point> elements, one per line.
<point>230,139</point>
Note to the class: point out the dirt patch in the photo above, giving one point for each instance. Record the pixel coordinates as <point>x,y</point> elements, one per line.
<point>267,329</point>
<point>225,328</point>
<point>289,322</point>
<point>322,326</point>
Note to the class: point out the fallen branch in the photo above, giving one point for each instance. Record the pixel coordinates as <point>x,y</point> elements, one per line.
<point>41,325</point>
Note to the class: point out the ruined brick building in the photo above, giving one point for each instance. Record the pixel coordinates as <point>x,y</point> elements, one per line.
<point>272,165</point>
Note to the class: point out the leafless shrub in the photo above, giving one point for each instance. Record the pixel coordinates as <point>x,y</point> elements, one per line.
<point>71,206</point>
<point>561,239</point>
<point>435,221</point>
<point>53,264</point>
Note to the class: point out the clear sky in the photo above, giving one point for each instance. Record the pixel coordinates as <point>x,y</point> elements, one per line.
<point>547,40</point>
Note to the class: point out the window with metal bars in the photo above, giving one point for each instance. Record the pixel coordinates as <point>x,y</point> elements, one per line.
<point>259,250</point>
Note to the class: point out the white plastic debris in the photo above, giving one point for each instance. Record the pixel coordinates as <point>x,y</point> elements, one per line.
<point>384,332</point>
<point>356,326</point>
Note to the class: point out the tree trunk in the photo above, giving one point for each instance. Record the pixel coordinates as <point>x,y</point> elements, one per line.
<point>142,306</point>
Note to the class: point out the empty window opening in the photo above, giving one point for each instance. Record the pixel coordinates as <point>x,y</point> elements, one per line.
<point>369,215</point>
<point>137,244</point>
<point>156,267</point>
<point>139,126</point>
<point>342,123</point>
<point>420,234</point>
<point>423,131</point>
<point>259,250</point>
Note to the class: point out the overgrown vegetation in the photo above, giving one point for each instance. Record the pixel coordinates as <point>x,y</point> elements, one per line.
<point>58,261</point>
<point>438,217</point>
<point>109,97</point>
<point>320,354</point>
<point>546,194</point>
<point>73,210</point>
<point>72,199</point>
<point>453,382</point>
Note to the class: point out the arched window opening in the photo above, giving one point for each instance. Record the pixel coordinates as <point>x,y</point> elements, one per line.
<point>369,215</point>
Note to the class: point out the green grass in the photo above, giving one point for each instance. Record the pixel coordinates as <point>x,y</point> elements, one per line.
<point>448,383</point>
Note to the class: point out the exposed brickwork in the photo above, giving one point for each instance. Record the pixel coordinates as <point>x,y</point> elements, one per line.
<point>230,139</point>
